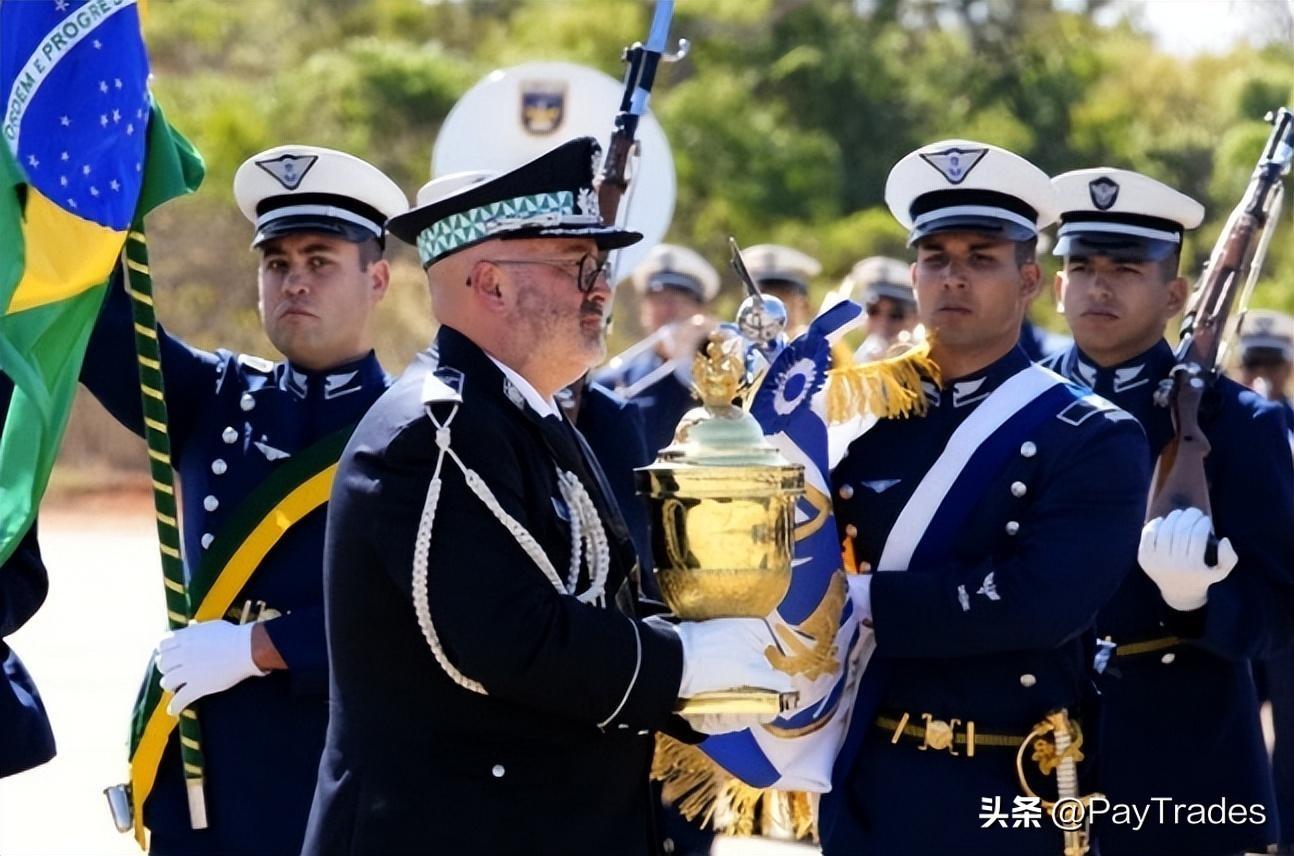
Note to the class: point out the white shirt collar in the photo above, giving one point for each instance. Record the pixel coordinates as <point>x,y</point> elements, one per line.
<point>542,406</point>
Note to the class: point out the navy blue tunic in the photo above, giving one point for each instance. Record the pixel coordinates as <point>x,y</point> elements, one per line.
<point>993,631</point>
<point>1276,676</point>
<point>663,403</point>
<point>25,736</point>
<point>233,420</point>
<point>613,428</point>
<point>1181,720</point>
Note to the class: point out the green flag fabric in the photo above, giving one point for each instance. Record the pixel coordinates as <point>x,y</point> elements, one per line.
<point>41,349</point>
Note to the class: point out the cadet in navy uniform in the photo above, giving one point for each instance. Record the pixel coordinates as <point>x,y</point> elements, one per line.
<point>1266,355</point>
<point>989,530</point>
<point>674,285</point>
<point>884,287</point>
<point>1179,714</point>
<point>492,691</point>
<point>25,736</point>
<point>784,272</point>
<point>239,426</point>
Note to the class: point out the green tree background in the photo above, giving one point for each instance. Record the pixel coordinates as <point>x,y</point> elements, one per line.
<point>783,123</point>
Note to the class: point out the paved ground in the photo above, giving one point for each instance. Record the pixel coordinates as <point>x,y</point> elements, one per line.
<point>87,648</point>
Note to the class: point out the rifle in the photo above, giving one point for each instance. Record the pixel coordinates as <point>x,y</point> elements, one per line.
<point>613,180</point>
<point>1208,326</point>
<point>640,75</point>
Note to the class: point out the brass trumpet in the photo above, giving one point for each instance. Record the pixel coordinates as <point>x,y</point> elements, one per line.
<point>681,338</point>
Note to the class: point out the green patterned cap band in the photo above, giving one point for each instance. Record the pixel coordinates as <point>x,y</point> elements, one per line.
<point>536,211</point>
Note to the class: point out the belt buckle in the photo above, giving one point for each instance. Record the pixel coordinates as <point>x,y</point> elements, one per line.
<point>939,734</point>
<point>254,611</point>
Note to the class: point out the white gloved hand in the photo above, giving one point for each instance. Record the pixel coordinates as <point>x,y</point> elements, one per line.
<point>860,592</point>
<point>727,653</point>
<point>1172,554</point>
<point>724,654</point>
<point>204,658</point>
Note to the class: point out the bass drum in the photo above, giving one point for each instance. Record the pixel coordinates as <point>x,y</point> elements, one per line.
<point>516,114</point>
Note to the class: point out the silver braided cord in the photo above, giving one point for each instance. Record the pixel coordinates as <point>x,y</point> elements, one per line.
<point>588,539</point>
<point>578,536</point>
<point>421,549</point>
<point>587,533</point>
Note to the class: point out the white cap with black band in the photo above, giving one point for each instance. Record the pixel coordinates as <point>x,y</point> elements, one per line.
<point>966,186</point>
<point>296,188</point>
<point>1121,214</point>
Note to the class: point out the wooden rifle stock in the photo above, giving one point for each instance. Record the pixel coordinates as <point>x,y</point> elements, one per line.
<point>1179,480</point>
<point>640,75</point>
<point>613,181</point>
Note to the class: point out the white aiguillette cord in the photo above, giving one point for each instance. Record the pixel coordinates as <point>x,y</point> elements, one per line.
<point>588,543</point>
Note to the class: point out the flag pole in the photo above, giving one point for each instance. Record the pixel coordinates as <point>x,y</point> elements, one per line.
<point>139,285</point>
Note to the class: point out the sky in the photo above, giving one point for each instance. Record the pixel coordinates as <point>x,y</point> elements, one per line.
<point>1188,27</point>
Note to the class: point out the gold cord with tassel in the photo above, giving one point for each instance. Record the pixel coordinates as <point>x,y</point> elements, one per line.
<point>705,792</point>
<point>887,388</point>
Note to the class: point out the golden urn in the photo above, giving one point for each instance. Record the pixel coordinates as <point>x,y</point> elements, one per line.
<point>722,504</point>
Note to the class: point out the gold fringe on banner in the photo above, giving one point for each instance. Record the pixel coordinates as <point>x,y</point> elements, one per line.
<point>703,791</point>
<point>886,388</point>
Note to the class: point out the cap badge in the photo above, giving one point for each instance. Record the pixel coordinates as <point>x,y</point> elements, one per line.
<point>587,203</point>
<point>289,170</point>
<point>1104,191</point>
<point>543,106</point>
<point>954,164</point>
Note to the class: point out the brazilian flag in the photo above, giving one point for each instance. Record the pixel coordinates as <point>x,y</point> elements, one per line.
<point>87,155</point>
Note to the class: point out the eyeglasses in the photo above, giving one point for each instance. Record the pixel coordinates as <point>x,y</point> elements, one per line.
<point>893,315</point>
<point>588,268</point>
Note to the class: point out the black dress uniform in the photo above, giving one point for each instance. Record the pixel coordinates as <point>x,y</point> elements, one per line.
<point>236,419</point>
<point>555,758</point>
<point>491,690</point>
<point>993,631</point>
<point>1179,710</point>
<point>25,736</point>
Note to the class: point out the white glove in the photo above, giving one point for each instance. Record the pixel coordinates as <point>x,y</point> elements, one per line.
<point>727,653</point>
<point>724,654</point>
<point>205,658</point>
<point>1172,554</point>
<point>860,592</point>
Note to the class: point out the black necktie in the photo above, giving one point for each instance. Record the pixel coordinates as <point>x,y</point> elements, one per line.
<point>569,452</point>
<point>562,444</point>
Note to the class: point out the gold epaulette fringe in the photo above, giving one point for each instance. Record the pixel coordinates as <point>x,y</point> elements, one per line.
<point>886,388</point>
<point>705,792</point>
